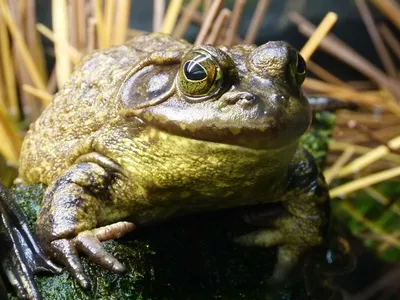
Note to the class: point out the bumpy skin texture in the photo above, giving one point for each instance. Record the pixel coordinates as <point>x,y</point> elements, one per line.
<point>158,128</point>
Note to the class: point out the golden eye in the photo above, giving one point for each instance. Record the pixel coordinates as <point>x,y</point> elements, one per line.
<point>200,75</point>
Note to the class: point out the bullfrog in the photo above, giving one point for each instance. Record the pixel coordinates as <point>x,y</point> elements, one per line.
<point>159,128</point>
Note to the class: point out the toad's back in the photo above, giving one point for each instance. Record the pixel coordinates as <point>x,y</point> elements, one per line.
<point>86,103</point>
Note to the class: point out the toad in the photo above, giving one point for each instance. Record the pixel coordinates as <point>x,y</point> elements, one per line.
<point>158,128</point>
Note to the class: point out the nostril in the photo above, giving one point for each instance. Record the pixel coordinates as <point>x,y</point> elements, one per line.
<point>245,99</point>
<point>248,97</point>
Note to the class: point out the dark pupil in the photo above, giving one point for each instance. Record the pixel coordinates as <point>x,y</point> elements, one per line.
<point>194,71</point>
<point>301,64</point>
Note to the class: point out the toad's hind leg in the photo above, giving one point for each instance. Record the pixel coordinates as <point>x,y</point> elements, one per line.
<point>304,221</point>
<point>68,217</point>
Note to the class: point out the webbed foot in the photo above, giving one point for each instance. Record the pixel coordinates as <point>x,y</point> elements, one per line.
<point>66,251</point>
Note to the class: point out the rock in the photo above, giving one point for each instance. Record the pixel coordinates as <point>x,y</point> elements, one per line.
<point>191,257</point>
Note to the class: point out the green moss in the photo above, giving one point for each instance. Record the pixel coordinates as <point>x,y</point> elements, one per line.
<point>188,258</point>
<point>317,138</point>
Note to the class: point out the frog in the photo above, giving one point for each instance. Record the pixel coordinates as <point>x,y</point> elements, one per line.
<point>159,128</point>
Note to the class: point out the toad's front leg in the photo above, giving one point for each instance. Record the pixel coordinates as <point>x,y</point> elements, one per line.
<point>67,220</point>
<point>304,221</point>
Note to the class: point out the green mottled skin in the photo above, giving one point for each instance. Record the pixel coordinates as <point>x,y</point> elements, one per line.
<point>112,146</point>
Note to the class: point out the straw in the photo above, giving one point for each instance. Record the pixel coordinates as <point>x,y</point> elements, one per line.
<point>378,196</point>
<point>122,21</point>
<point>343,52</point>
<point>8,70</point>
<point>331,173</point>
<point>256,21</point>
<point>101,34</point>
<point>30,107</point>
<point>3,96</point>
<point>33,39</point>
<point>92,34</point>
<point>349,208</point>
<point>34,73</point>
<point>43,96</point>
<point>60,28</point>
<point>73,53</point>
<point>385,246</point>
<point>390,39</point>
<point>324,27</point>
<point>370,157</point>
<point>376,38</point>
<point>364,182</point>
<point>205,28</point>
<point>343,93</point>
<point>385,133</point>
<point>72,22</point>
<point>342,146</point>
<point>206,7</point>
<point>185,19</point>
<point>11,141</point>
<point>325,75</point>
<point>171,16</point>
<point>235,21</point>
<point>393,106</point>
<point>196,17</point>
<point>390,9</point>
<point>378,120</point>
<point>158,14</point>
<point>52,82</point>
<point>109,22</point>
<point>81,24</point>
<point>220,23</point>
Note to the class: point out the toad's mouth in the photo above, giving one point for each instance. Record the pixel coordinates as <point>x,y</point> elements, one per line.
<point>269,134</point>
<point>268,123</point>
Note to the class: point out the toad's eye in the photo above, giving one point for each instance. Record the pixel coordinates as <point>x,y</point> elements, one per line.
<point>301,64</point>
<point>200,75</point>
<point>194,71</point>
<point>300,69</point>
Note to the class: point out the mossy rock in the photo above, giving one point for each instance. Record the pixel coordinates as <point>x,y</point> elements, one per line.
<point>187,258</point>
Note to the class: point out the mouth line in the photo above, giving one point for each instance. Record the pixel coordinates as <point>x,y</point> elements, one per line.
<point>254,140</point>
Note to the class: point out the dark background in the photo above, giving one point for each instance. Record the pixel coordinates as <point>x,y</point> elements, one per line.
<point>277,26</point>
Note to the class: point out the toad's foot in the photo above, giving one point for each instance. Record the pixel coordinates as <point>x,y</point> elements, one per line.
<point>303,222</point>
<point>69,212</point>
<point>66,250</point>
<point>293,239</point>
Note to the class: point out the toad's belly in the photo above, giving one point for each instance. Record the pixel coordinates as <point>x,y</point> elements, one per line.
<point>170,204</point>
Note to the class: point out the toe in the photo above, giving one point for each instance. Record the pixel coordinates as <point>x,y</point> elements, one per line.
<point>89,244</point>
<point>65,252</point>
<point>288,257</point>
<point>261,238</point>
<point>113,231</point>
